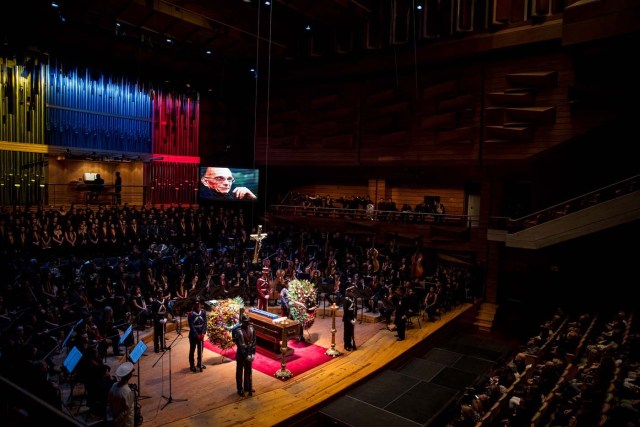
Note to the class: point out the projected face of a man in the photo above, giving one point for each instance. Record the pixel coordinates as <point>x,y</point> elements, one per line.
<point>218,179</point>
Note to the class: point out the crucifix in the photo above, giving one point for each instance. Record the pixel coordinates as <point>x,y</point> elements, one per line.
<point>258,238</point>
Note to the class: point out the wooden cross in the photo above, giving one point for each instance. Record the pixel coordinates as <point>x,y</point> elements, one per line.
<point>258,238</point>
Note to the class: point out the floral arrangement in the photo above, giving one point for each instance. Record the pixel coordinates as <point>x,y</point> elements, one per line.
<point>302,297</point>
<point>224,315</point>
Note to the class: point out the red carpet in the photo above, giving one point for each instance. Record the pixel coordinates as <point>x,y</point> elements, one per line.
<point>305,357</point>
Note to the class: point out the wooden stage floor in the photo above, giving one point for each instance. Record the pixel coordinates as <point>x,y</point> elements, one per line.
<point>172,395</point>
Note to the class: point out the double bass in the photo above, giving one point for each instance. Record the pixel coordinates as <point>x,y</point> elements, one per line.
<point>373,256</point>
<point>417,269</point>
<point>277,284</point>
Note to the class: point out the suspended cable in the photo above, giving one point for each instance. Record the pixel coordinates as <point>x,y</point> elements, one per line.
<point>415,45</point>
<point>266,154</point>
<point>255,101</point>
<point>268,91</point>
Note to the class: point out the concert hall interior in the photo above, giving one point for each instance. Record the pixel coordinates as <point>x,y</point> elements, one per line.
<point>427,210</point>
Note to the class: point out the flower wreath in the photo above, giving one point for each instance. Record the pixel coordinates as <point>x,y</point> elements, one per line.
<point>302,298</point>
<point>224,315</point>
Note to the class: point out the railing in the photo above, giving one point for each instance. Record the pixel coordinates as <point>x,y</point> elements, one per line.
<point>592,198</point>
<point>67,194</point>
<point>25,408</point>
<point>374,215</point>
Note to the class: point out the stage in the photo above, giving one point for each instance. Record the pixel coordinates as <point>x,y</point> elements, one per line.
<point>170,394</point>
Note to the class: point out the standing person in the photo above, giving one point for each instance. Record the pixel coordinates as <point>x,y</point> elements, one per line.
<point>216,185</point>
<point>401,306</point>
<point>349,319</point>
<point>159,313</point>
<point>284,301</point>
<point>121,400</point>
<point>197,328</point>
<point>262,287</point>
<point>245,339</point>
<point>118,189</point>
<point>252,281</point>
<point>440,211</point>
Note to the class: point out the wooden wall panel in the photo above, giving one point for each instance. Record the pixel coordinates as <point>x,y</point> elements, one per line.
<point>543,136</point>
<point>63,172</point>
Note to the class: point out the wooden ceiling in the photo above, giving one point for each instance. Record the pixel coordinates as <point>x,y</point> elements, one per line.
<point>200,39</point>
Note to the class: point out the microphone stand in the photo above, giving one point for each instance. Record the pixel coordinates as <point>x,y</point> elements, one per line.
<point>169,398</point>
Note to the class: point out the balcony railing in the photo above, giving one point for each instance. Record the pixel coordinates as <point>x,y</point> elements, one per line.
<point>592,198</point>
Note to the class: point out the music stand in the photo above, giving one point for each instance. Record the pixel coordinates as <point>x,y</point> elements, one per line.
<point>66,340</point>
<point>169,398</point>
<point>72,359</point>
<point>136,353</point>
<point>70,363</point>
<point>68,337</point>
<point>124,336</point>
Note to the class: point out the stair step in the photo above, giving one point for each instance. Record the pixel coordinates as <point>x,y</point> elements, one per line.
<point>540,79</point>
<point>512,98</point>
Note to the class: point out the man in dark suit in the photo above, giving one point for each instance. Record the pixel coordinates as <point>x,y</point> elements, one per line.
<point>401,306</point>
<point>349,310</point>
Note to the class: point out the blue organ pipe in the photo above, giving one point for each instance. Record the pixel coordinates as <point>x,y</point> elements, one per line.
<point>101,114</point>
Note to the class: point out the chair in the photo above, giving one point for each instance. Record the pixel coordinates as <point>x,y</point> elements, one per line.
<point>411,314</point>
<point>414,307</point>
